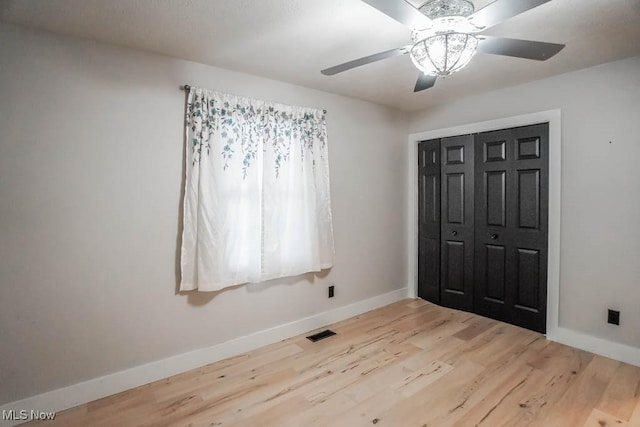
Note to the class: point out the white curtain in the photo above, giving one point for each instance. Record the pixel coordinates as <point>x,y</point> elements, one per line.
<point>256,203</point>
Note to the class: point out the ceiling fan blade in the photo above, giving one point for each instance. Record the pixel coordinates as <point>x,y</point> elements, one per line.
<point>363,61</point>
<point>424,82</point>
<point>402,12</point>
<point>539,51</point>
<point>501,10</point>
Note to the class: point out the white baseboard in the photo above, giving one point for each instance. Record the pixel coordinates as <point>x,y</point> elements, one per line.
<point>600,346</point>
<point>77,394</point>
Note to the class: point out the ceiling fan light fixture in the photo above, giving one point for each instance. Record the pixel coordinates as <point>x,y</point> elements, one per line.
<point>443,34</point>
<point>444,54</point>
<point>420,59</point>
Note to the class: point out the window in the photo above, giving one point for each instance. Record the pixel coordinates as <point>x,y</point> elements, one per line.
<point>257,203</point>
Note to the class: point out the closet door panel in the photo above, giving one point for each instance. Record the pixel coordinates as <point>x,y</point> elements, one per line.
<point>511,203</point>
<point>429,220</point>
<point>453,274</point>
<point>528,279</point>
<point>495,282</point>
<point>457,218</point>
<point>496,198</point>
<point>454,202</point>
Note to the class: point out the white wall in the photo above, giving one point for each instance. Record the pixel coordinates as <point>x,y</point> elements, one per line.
<point>91,152</point>
<point>600,220</point>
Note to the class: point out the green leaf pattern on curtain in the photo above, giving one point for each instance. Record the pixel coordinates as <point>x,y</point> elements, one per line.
<point>244,123</point>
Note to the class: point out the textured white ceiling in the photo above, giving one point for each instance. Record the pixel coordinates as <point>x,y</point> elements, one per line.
<point>292,40</point>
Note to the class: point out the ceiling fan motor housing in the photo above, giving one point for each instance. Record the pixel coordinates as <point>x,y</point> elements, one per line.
<point>443,8</point>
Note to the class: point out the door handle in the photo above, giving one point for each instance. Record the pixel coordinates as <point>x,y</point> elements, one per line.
<point>494,236</point>
<point>454,233</point>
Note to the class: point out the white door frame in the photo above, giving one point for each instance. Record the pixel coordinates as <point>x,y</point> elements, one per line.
<point>553,117</point>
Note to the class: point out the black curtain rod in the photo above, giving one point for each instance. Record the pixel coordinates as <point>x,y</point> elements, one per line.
<point>187,87</point>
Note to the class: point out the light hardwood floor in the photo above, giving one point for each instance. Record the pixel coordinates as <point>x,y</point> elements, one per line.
<point>407,364</point>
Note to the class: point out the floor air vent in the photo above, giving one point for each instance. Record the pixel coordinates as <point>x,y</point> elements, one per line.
<point>321,335</point>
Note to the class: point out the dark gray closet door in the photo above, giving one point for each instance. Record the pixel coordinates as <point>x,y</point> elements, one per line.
<point>429,220</point>
<point>456,221</point>
<point>511,225</point>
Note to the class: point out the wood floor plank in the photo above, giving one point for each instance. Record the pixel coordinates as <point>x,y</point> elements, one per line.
<point>442,395</point>
<point>357,371</point>
<point>619,399</point>
<point>410,363</point>
<point>635,415</point>
<point>602,419</point>
<point>365,413</point>
<point>504,373</point>
<point>576,405</point>
<point>527,401</point>
<point>475,327</point>
<point>496,407</point>
<point>273,416</point>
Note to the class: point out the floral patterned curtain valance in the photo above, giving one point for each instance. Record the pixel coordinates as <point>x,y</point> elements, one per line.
<point>257,203</point>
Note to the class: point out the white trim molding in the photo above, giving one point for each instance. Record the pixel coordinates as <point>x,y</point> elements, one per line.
<point>553,117</point>
<point>77,394</point>
<point>603,347</point>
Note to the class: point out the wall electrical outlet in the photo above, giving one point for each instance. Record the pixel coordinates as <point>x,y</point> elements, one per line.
<point>331,291</point>
<point>613,317</point>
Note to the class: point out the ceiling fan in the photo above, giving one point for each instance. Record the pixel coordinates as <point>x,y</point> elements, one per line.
<point>444,34</point>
